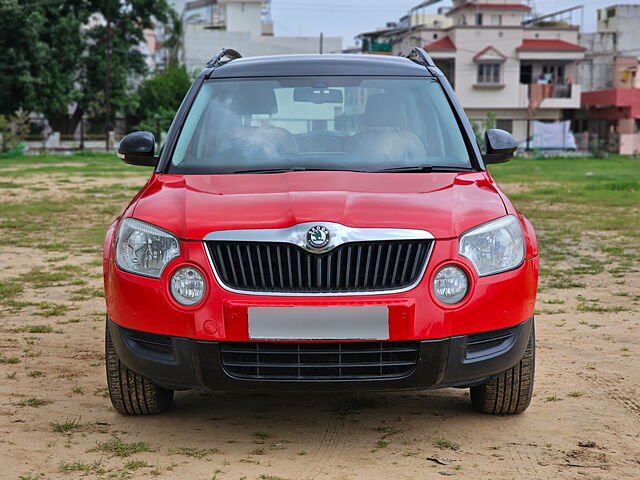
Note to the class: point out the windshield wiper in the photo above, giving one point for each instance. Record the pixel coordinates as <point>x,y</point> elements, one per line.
<point>296,169</point>
<point>424,168</point>
<point>400,169</point>
<point>272,170</point>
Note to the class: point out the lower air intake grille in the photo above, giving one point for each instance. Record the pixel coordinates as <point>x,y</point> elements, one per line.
<point>483,344</point>
<point>319,361</point>
<point>152,344</point>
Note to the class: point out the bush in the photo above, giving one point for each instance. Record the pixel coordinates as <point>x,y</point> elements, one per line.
<point>480,127</point>
<point>14,131</point>
<point>597,149</point>
<point>159,98</point>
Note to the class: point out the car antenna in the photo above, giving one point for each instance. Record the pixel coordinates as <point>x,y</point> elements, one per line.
<point>420,56</point>
<point>226,55</point>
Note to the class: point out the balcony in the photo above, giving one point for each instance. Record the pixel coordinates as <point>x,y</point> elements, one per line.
<point>561,91</point>
<point>565,95</point>
<point>377,47</point>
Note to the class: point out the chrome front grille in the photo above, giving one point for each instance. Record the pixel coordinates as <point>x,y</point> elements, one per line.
<point>319,361</point>
<point>278,267</point>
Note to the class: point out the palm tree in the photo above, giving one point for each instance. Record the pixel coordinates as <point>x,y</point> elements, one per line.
<point>174,31</point>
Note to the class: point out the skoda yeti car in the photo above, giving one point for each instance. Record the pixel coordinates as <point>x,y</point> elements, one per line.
<point>320,223</point>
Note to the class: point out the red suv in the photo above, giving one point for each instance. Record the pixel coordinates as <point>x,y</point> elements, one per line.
<point>320,222</point>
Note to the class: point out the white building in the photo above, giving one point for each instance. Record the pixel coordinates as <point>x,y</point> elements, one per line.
<point>497,64</point>
<point>611,80</point>
<point>617,35</point>
<point>245,26</point>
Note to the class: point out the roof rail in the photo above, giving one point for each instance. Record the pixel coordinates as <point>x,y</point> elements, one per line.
<point>228,53</point>
<point>420,56</point>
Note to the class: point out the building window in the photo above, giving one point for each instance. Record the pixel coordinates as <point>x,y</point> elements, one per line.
<point>496,20</point>
<point>489,73</point>
<point>478,19</point>
<point>526,73</point>
<point>552,74</point>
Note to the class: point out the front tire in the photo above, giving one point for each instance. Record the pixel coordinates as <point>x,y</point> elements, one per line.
<point>130,393</point>
<point>510,392</point>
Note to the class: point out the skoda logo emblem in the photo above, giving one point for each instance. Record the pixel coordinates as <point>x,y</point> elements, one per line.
<point>318,236</point>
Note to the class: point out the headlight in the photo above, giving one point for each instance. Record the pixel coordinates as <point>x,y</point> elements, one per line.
<point>450,284</point>
<point>187,286</point>
<point>145,249</point>
<point>495,246</point>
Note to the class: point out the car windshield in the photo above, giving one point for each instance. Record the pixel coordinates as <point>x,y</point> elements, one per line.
<point>320,123</point>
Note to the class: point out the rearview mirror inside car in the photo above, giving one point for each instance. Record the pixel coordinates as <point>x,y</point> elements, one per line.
<point>138,148</point>
<point>500,146</point>
<point>317,95</point>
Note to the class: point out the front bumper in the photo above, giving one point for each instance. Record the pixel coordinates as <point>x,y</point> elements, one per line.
<point>181,363</point>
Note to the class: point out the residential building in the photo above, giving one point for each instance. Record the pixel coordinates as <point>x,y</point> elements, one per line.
<point>617,34</point>
<point>244,25</point>
<point>387,40</point>
<point>611,101</point>
<point>501,61</point>
<point>381,41</point>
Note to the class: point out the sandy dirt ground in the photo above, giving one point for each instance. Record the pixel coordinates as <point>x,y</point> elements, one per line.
<point>583,423</point>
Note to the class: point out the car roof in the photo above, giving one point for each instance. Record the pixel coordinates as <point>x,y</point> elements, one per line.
<point>331,64</point>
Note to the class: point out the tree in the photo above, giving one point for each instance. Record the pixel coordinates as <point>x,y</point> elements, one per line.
<point>112,60</point>
<point>63,38</point>
<point>159,98</point>
<point>73,53</point>
<point>22,55</point>
<point>41,45</point>
<point>173,33</point>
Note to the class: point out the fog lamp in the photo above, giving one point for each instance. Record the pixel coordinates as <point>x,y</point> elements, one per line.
<point>187,286</point>
<point>450,284</point>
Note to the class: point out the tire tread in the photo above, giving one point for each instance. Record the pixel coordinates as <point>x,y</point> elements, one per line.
<point>130,393</point>
<point>509,392</point>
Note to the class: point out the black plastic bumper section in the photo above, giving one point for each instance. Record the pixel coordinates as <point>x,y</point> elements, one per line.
<point>181,363</point>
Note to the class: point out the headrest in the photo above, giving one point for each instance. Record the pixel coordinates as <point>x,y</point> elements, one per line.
<point>252,100</point>
<point>383,110</point>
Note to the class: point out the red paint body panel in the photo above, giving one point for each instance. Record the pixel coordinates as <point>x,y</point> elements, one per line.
<point>445,204</point>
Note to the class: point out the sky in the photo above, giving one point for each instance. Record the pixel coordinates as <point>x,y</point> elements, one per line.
<point>347,18</point>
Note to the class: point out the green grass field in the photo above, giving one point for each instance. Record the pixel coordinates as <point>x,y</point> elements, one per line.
<point>586,213</point>
<point>602,194</point>
<point>63,202</point>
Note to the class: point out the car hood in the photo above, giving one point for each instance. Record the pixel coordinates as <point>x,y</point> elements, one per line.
<point>445,204</point>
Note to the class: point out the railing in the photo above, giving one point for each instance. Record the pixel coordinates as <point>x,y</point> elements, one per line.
<point>562,90</point>
<point>372,46</point>
<point>558,90</point>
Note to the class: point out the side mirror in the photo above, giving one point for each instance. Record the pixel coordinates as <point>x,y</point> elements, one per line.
<point>138,148</point>
<point>500,146</point>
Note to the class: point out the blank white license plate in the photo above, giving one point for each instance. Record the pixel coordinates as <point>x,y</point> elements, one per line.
<point>319,323</point>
